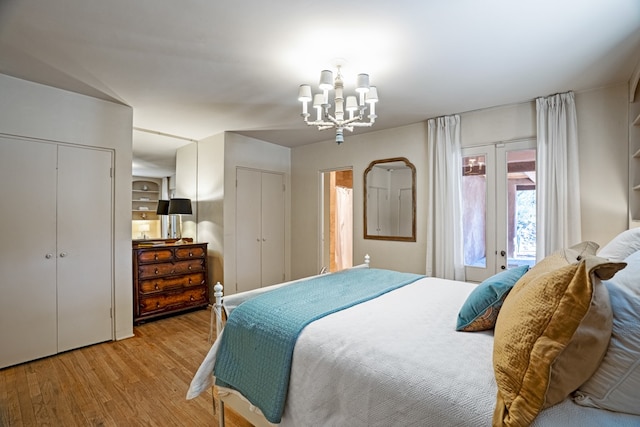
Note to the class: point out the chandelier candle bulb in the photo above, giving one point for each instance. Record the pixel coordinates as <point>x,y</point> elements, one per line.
<point>372,98</point>
<point>318,100</point>
<point>352,105</point>
<point>362,87</point>
<point>304,96</point>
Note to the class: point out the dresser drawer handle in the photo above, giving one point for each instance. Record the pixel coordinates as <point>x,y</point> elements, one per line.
<point>189,267</point>
<point>157,287</point>
<point>190,253</point>
<point>189,280</point>
<point>155,257</point>
<point>156,271</point>
<point>157,305</point>
<point>191,298</point>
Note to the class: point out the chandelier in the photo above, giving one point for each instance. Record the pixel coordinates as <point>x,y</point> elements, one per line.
<point>354,106</point>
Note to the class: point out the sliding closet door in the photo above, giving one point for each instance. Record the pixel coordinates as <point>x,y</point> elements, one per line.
<point>84,247</point>
<point>27,265</point>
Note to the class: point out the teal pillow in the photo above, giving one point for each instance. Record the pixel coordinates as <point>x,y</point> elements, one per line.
<point>480,311</point>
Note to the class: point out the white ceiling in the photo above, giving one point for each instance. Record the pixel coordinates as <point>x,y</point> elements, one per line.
<point>196,68</point>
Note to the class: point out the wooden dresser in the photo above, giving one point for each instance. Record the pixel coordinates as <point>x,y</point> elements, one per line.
<point>168,278</point>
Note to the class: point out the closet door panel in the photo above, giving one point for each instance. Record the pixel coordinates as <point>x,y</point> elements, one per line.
<point>27,266</point>
<point>248,244</point>
<point>272,225</point>
<point>84,247</point>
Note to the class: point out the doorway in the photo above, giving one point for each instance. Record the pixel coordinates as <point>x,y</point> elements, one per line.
<point>499,207</point>
<point>337,219</point>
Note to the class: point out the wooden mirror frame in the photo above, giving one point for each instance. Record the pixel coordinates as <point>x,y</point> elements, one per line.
<point>410,165</point>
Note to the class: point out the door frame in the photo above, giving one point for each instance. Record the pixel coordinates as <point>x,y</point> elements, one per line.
<point>496,233</point>
<point>323,218</point>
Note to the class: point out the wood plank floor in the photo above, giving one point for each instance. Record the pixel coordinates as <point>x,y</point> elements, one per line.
<point>140,381</point>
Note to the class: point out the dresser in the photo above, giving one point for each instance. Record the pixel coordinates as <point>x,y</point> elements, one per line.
<point>168,278</point>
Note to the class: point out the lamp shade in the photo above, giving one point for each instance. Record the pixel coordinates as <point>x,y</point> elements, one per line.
<point>163,207</point>
<point>180,206</point>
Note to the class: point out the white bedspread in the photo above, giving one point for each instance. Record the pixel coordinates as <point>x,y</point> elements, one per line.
<point>397,360</point>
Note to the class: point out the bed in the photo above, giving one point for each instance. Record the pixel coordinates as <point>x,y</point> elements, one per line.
<point>405,356</point>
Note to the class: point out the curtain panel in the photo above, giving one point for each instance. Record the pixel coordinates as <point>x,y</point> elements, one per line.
<point>445,253</point>
<point>558,175</point>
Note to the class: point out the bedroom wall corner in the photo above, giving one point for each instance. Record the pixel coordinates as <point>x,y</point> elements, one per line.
<point>604,175</point>
<point>210,204</point>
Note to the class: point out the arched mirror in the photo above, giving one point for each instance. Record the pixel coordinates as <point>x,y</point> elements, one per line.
<point>390,200</point>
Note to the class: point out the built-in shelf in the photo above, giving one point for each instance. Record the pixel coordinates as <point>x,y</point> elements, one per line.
<point>145,193</point>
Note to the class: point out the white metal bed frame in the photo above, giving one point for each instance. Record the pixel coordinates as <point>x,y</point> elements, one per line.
<point>234,401</point>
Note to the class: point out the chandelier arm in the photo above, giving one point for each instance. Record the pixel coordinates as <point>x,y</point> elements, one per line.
<point>362,124</point>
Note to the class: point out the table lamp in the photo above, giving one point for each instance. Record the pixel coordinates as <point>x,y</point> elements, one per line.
<point>179,207</point>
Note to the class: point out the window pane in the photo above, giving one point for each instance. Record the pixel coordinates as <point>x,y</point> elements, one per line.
<point>521,245</point>
<point>474,205</point>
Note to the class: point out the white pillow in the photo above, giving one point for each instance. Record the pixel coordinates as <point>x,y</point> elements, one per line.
<point>616,384</point>
<point>623,245</point>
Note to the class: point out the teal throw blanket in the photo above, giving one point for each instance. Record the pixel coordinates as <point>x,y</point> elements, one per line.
<point>257,345</point>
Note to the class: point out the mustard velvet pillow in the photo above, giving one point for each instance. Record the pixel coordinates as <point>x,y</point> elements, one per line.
<point>559,259</point>
<point>551,334</point>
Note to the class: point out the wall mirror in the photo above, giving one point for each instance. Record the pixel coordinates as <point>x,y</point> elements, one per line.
<point>390,200</point>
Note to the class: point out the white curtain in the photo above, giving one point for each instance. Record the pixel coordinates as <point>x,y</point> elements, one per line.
<point>558,178</point>
<point>344,228</point>
<point>445,253</point>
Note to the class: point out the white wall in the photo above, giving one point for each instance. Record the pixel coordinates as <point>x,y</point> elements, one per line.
<point>36,111</point>
<point>211,203</point>
<point>603,131</point>
<point>356,152</point>
<point>187,186</point>
<point>602,128</point>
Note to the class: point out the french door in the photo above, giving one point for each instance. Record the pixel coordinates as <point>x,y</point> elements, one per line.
<point>499,207</point>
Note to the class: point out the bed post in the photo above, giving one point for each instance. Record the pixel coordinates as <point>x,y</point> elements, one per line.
<point>216,311</point>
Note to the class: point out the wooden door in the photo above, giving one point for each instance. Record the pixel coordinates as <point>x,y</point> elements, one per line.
<point>272,226</point>
<point>28,261</point>
<point>84,249</point>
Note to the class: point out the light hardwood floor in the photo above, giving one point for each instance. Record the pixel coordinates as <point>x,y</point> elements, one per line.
<point>140,381</point>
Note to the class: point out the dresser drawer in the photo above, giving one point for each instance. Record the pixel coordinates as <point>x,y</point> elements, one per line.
<point>191,252</point>
<point>155,270</point>
<point>171,301</point>
<point>155,255</point>
<point>167,283</point>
